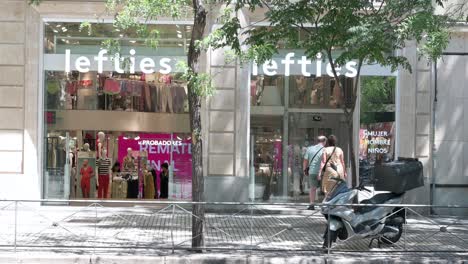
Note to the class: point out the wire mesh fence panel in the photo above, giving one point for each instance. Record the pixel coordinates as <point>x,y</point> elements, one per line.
<point>167,226</point>
<point>431,233</point>
<point>42,226</point>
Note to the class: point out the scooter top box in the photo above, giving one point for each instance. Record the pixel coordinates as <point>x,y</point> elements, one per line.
<point>399,176</point>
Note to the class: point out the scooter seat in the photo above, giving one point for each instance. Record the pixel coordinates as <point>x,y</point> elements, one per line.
<point>377,199</point>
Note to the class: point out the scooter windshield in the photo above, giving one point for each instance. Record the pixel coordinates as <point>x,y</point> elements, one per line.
<point>340,187</point>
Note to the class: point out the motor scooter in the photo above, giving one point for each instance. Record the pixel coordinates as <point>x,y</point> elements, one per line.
<point>381,223</point>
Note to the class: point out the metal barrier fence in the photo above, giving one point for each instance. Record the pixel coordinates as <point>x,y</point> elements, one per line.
<point>166,226</point>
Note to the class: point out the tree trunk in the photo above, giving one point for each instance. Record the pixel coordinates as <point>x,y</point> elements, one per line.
<point>198,210</point>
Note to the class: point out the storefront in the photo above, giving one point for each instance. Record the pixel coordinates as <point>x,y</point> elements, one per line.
<point>99,109</point>
<point>102,118</point>
<point>289,110</point>
<point>71,104</point>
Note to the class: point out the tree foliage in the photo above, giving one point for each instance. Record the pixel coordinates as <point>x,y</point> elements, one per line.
<point>377,95</point>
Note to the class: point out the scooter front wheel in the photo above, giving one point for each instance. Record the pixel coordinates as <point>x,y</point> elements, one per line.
<point>328,239</point>
<point>389,240</point>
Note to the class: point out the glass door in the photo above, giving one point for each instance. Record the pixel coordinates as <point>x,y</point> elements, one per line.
<point>266,133</point>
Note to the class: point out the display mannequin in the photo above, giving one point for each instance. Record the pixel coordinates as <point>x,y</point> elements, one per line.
<point>72,165</point>
<point>86,147</point>
<point>259,89</point>
<point>128,161</point>
<point>100,143</point>
<point>316,93</point>
<point>336,102</point>
<point>130,170</point>
<point>104,169</point>
<point>301,83</point>
<point>86,172</point>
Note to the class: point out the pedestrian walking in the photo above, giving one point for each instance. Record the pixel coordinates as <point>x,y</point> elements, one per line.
<point>332,165</point>
<point>311,166</point>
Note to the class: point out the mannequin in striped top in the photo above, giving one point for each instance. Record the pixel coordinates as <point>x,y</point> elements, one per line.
<point>103,168</point>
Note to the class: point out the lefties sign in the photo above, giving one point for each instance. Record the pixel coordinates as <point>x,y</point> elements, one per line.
<point>290,64</point>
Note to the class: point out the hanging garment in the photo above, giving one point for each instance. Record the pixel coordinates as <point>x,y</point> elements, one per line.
<point>119,188</point>
<point>180,98</point>
<point>132,188</point>
<point>87,99</point>
<point>137,88</point>
<point>186,102</point>
<point>111,86</point>
<point>149,186</point>
<point>153,98</point>
<point>71,87</point>
<point>124,88</point>
<point>164,192</point>
<point>53,86</point>
<point>166,99</point>
<point>147,97</point>
<point>68,102</point>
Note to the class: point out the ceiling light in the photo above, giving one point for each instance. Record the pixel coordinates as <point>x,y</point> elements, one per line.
<point>121,35</point>
<point>178,31</point>
<point>118,30</point>
<point>63,40</point>
<point>58,25</point>
<point>179,35</point>
<point>55,31</point>
<point>177,26</point>
<point>133,41</point>
<point>180,44</point>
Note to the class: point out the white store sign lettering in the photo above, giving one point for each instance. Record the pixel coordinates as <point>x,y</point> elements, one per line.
<point>148,65</point>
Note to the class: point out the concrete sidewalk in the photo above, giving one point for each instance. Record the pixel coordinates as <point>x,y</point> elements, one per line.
<point>228,258</point>
<point>272,234</point>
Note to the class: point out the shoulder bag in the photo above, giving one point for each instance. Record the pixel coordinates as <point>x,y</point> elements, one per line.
<point>306,170</point>
<point>333,166</point>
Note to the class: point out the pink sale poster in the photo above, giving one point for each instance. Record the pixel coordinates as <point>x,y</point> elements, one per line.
<point>159,147</point>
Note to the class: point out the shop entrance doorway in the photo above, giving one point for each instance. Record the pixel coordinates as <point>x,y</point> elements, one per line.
<point>278,145</point>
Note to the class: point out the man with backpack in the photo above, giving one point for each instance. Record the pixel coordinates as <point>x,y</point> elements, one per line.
<point>311,166</point>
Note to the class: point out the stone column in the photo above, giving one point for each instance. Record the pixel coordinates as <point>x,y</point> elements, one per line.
<point>19,61</point>
<point>227,130</point>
